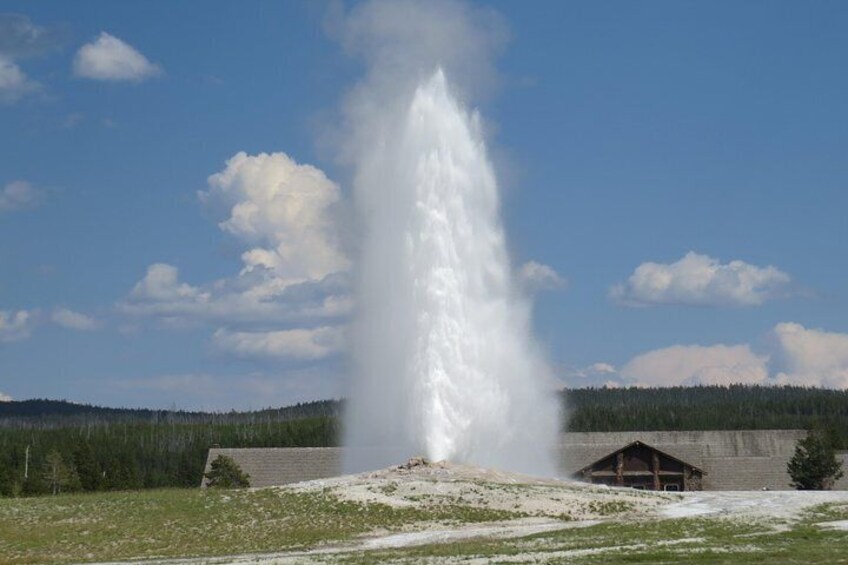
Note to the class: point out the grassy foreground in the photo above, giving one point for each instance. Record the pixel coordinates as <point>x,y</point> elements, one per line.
<point>195,523</point>
<point>192,523</point>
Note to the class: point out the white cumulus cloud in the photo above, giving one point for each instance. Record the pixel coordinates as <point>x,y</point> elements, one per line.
<point>14,84</point>
<point>5,397</point>
<point>701,280</point>
<point>255,297</point>
<point>685,365</point>
<point>284,210</point>
<point>15,326</point>
<point>19,195</point>
<point>161,284</point>
<point>73,320</point>
<point>791,355</point>
<point>110,59</point>
<point>308,344</point>
<point>293,275</point>
<point>536,276</point>
<point>809,357</point>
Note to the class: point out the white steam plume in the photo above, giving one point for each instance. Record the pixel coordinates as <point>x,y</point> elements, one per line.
<point>444,362</point>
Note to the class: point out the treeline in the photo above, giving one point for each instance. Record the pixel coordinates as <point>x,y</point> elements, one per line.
<point>737,407</point>
<point>77,447</point>
<point>135,455</point>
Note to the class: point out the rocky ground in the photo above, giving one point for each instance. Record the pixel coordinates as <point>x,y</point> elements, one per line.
<point>419,484</point>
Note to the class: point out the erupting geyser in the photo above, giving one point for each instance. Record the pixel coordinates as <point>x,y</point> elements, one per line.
<point>444,359</point>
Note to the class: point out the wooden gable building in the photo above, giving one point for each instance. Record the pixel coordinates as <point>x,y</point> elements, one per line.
<point>639,465</point>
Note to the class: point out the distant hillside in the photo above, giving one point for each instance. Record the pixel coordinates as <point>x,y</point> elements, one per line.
<point>587,409</point>
<point>43,413</point>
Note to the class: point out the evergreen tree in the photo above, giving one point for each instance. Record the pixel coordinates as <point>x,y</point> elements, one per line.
<point>90,475</point>
<point>186,474</point>
<point>814,465</point>
<point>9,486</point>
<point>225,473</point>
<point>58,475</point>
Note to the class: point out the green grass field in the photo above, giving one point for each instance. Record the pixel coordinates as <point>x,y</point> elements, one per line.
<point>196,523</point>
<point>189,523</point>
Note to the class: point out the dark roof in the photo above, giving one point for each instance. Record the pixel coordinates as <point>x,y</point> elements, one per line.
<point>636,444</point>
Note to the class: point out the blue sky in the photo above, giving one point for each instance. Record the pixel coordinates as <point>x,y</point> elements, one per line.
<point>681,165</point>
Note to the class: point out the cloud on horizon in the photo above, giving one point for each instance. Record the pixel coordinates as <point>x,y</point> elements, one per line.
<point>689,365</point>
<point>809,357</point>
<point>699,280</point>
<point>790,355</point>
<point>107,58</point>
<point>595,375</point>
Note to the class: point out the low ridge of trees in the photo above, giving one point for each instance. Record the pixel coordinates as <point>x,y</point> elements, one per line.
<point>737,407</point>
<point>119,449</point>
<point>136,455</point>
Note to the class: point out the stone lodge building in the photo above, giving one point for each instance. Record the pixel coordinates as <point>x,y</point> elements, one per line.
<point>656,460</point>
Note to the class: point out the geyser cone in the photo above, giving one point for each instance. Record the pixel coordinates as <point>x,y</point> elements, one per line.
<point>445,362</point>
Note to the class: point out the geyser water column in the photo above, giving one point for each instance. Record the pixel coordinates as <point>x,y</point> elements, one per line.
<point>445,365</point>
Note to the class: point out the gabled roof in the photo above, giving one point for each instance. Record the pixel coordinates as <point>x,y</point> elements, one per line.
<point>636,444</point>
